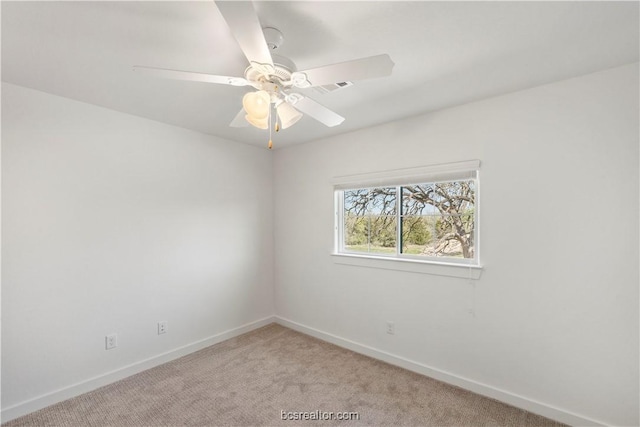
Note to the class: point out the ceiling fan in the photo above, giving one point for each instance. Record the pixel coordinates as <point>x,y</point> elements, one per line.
<point>274,77</point>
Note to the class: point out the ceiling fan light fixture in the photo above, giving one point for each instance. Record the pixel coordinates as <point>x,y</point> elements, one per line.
<point>288,115</point>
<point>257,105</point>
<point>259,123</point>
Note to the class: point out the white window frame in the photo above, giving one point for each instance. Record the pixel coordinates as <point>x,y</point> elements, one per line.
<point>456,267</point>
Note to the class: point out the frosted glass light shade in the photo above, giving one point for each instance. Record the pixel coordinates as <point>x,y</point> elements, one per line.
<point>256,104</point>
<point>288,115</point>
<point>259,123</point>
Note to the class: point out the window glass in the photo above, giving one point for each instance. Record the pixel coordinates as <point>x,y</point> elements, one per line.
<point>431,220</point>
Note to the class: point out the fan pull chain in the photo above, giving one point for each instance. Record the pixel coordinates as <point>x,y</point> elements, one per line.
<point>270,142</point>
<point>276,115</point>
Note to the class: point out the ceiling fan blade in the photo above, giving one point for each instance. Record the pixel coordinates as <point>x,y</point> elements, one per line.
<point>239,121</point>
<point>319,112</point>
<point>244,24</point>
<point>188,75</point>
<point>358,69</point>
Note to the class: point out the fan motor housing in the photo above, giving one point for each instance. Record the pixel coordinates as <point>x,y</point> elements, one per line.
<point>284,67</point>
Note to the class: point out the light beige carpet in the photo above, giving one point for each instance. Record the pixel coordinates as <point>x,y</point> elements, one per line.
<point>249,380</point>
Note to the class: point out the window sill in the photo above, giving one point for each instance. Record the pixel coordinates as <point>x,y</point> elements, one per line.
<point>464,271</point>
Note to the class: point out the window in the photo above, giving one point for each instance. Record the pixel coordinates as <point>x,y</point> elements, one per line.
<point>429,215</point>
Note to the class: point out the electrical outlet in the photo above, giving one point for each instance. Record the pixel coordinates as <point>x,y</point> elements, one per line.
<point>391,328</point>
<point>111,341</point>
<point>163,327</point>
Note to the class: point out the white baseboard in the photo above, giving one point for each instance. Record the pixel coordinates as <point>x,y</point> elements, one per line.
<point>513,399</point>
<point>90,384</point>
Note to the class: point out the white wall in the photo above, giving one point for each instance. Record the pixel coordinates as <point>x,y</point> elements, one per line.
<point>111,223</point>
<point>557,304</point>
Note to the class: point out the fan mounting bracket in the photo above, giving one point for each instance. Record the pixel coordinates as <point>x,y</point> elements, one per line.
<point>273,37</point>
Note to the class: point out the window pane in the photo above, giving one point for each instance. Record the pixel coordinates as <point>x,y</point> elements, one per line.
<point>438,219</point>
<point>371,234</point>
<point>418,235</point>
<point>455,236</point>
<point>356,201</point>
<point>417,200</point>
<point>383,234</point>
<point>454,197</point>
<point>356,233</point>
<point>370,220</point>
<point>382,201</point>
<point>438,236</point>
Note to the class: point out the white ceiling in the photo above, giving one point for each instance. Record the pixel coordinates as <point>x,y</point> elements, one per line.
<point>446,53</point>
